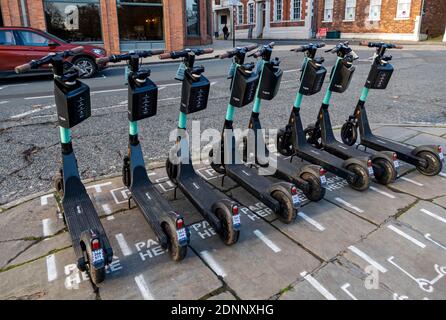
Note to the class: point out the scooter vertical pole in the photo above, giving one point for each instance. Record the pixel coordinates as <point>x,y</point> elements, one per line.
<point>364,94</point>
<point>133,128</point>
<point>64,135</point>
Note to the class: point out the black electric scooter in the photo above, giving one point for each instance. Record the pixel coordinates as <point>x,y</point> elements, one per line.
<point>220,211</point>
<point>307,177</point>
<point>384,164</point>
<point>90,243</point>
<point>168,225</point>
<point>291,140</point>
<point>281,197</point>
<point>428,159</point>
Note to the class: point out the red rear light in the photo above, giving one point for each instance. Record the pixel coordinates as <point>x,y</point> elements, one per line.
<point>322,172</point>
<point>395,157</point>
<point>369,163</point>
<point>180,224</point>
<point>234,210</point>
<point>293,190</point>
<point>95,245</point>
<point>440,149</point>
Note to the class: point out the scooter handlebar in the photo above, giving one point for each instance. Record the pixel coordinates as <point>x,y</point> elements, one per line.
<point>380,44</point>
<point>183,53</point>
<point>308,47</point>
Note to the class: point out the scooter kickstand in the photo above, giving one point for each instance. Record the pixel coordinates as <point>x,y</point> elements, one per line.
<point>130,205</point>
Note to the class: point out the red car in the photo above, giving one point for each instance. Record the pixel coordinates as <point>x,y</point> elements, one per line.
<point>19,45</point>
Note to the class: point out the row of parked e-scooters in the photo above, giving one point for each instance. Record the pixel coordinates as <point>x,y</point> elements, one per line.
<point>316,146</point>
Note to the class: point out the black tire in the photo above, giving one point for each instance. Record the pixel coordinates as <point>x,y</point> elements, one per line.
<point>126,177</point>
<point>287,212</point>
<point>177,252</point>
<point>313,136</point>
<point>228,235</point>
<point>386,172</point>
<point>58,184</point>
<point>245,149</point>
<point>434,164</point>
<point>87,65</point>
<point>361,181</point>
<point>349,133</point>
<point>97,275</point>
<point>219,168</point>
<point>284,146</point>
<point>315,192</point>
<point>172,171</point>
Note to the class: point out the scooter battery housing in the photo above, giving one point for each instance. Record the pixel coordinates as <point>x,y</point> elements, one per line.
<point>379,76</point>
<point>194,94</point>
<point>312,79</point>
<point>142,100</point>
<point>270,81</point>
<point>244,86</point>
<point>72,103</point>
<point>342,76</point>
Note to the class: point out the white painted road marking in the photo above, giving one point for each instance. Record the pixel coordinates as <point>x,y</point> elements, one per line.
<point>143,287</point>
<point>412,181</point>
<point>21,115</point>
<point>51,267</point>
<point>344,287</point>
<point>365,257</point>
<point>433,215</point>
<point>442,174</point>
<point>44,199</point>
<point>311,221</point>
<point>209,259</point>
<point>348,204</point>
<point>382,192</point>
<point>267,241</point>
<point>318,286</point>
<point>126,251</point>
<point>46,225</point>
<point>98,187</point>
<point>107,211</point>
<point>39,97</point>
<point>405,235</point>
<point>4,102</point>
<point>290,70</point>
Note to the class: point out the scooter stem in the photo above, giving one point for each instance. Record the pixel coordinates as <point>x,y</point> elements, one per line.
<point>364,94</point>
<point>133,128</point>
<point>182,120</point>
<point>327,96</point>
<point>257,101</point>
<point>64,135</point>
<point>230,112</point>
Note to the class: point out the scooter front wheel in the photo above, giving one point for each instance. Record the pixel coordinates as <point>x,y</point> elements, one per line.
<point>315,191</point>
<point>349,133</point>
<point>434,164</point>
<point>283,143</point>
<point>287,213</point>
<point>58,183</point>
<point>361,181</point>
<point>126,177</point>
<point>314,136</point>
<point>177,252</point>
<point>228,234</point>
<point>385,172</point>
<point>172,171</point>
<point>219,168</point>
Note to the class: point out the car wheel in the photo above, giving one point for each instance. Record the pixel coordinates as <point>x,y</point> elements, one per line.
<point>87,66</point>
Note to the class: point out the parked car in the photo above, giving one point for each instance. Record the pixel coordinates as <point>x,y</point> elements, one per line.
<point>19,45</point>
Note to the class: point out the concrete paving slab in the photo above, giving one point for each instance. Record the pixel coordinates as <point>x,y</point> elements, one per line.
<point>436,131</point>
<point>11,249</point>
<point>146,270</point>
<point>441,201</point>
<point>325,229</point>
<point>223,296</point>
<point>420,186</point>
<point>376,204</point>
<point>260,264</point>
<point>425,138</point>
<point>396,133</point>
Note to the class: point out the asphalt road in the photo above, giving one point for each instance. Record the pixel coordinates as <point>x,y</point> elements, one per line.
<point>29,137</point>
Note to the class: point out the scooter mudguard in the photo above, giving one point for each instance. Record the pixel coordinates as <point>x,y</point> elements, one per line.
<point>387,155</point>
<point>226,205</point>
<point>430,148</point>
<point>350,161</point>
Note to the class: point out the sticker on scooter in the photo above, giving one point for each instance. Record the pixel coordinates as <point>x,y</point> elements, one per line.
<point>371,173</point>
<point>424,284</point>
<point>182,236</point>
<point>441,155</point>
<point>296,201</point>
<point>396,164</point>
<point>98,258</point>
<point>323,181</point>
<point>236,221</point>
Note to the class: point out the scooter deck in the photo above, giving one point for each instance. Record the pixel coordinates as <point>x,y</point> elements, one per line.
<point>378,143</point>
<point>80,215</point>
<point>344,151</point>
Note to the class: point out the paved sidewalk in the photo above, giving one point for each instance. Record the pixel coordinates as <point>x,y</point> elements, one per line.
<point>385,243</point>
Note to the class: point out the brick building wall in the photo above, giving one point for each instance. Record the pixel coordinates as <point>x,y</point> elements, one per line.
<point>434,20</point>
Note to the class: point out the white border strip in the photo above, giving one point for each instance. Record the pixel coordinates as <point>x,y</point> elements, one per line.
<point>316,284</point>
<point>405,235</point>
<point>365,257</point>
<point>267,241</point>
<point>311,221</point>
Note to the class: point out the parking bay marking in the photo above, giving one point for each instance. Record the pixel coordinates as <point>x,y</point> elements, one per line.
<point>367,258</point>
<point>98,187</point>
<point>125,249</point>
<point>433,215</point>
<point>44,199</point>
<point>382,192</point>
<point>412,181</point>
<point>107,211</point>
<point>348,204</point>
<point>405,235</point>
<point>344,287</point>
<point>21,115</point>
<point>46,226</point>
<point>209,259</point>
<point>51,267</point>
<point>311,221</point>
<point>143,287</point>
<point>316,284</point>
<point>267,241</point>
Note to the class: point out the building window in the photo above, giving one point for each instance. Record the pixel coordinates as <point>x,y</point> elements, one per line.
<point>350,10</point>
<point>296,9</point>
<point>140,20</point>
<point>240,14</point>
<point>251,13</point>
<point>403,9</point>
<point>74,21</point>
<point>375,10</point>
<point>328,10</point>
<point>1,17</point>
<point>278,10</point>
<point>192,18</point>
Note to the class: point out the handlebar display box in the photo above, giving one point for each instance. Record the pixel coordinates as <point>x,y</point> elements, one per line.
<point>194,94</point>
<point>270,81</point>
<point>312,78</point>
<point>342,76</point>
<point>379,76</point>
<point>142,100</point>
<point>72,102</point>
<point>244,86</point>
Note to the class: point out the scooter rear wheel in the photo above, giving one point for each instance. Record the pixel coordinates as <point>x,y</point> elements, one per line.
<point>434,164</point>
<point>287,213</point>
<point>361,181</point>
<point>315,191</point>
<point>227,232</point>
<point>386,172</point>
<point>177,252</point>
<point>349,133</point>
<point>283,144</point>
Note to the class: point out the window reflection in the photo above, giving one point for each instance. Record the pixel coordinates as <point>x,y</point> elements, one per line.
<point>193,17</point>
